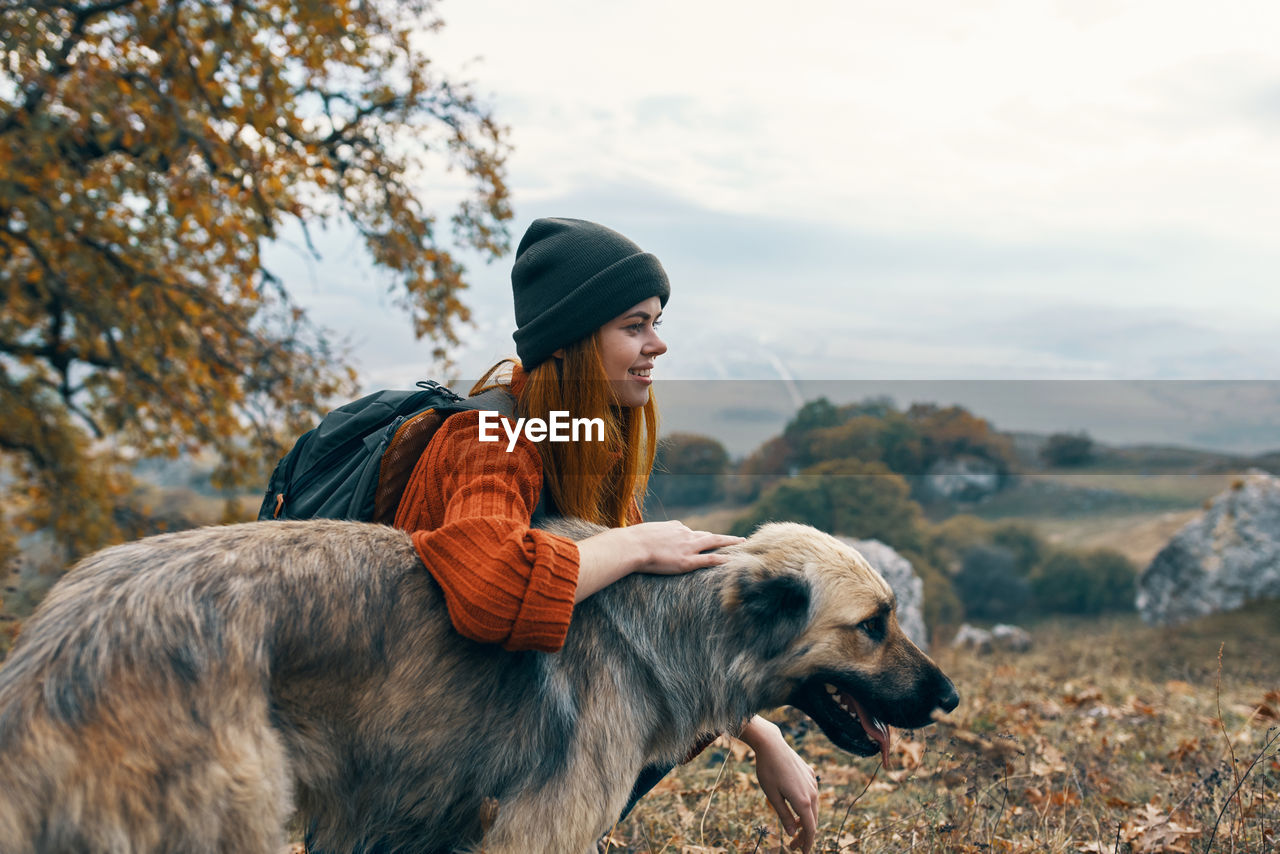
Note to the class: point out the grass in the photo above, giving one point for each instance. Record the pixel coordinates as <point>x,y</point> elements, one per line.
<point>1109,736</point>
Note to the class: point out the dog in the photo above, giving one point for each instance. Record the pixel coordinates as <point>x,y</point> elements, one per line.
<point>192,691</point>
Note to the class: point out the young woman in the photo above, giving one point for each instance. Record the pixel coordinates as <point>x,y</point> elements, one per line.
<point>587,306</point>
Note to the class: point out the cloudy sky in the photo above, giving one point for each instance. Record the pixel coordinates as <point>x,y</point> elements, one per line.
<point>856,191</point>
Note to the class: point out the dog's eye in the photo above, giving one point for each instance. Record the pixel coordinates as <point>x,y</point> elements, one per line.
<point>874,627</point>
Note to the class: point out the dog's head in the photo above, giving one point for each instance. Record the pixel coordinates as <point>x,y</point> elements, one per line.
<point>831,627</point>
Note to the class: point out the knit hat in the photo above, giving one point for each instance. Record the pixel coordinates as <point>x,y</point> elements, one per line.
<point>570,278</point>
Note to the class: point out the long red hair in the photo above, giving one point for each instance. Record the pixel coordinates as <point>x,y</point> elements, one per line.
<point>592,480</point>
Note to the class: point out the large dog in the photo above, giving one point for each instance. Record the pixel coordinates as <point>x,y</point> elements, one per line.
<point>188,692</point>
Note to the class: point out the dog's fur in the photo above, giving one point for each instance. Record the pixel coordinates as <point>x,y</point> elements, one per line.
<point>187,692</point>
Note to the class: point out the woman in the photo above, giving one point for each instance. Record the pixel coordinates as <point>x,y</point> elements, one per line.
<point>587,306</point>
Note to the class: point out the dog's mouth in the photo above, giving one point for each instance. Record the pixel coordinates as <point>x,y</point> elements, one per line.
<point>835,708</point>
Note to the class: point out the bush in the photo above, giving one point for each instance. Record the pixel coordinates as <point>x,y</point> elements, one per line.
<point>863,500</point>
<point>1085,582</point>
<point>990,586</point>
<point>951,538</point>
<point>1023,542</point>
<point>1067,449</point>
<point>689,469</point>
<point>764,467</point>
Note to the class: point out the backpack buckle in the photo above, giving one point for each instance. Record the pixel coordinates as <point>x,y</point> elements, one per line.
<point>432,385</point>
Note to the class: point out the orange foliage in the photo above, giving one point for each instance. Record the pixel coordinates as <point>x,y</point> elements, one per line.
<point>147,151</point>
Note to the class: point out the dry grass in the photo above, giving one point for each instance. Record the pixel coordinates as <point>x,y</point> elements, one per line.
<point>1137,536</point>
<point>1108,737</point>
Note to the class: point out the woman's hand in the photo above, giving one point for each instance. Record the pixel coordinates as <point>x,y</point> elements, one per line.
<point>671,548</point>
<point>786,780</point>
<point>662,548</point>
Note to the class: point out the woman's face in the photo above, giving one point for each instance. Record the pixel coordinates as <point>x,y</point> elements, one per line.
<point>628,345</point>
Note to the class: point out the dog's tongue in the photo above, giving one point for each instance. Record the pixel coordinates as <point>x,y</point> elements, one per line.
<point>875,730</point>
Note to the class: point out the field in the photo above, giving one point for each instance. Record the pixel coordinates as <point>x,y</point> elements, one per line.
<point>1108,736</point>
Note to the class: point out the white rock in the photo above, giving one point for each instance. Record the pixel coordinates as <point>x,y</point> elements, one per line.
<point>1011,638</point>
<point>1224,558</point>
<point>1001,637</point>
<point>963,478</point>
<point>973,638</point>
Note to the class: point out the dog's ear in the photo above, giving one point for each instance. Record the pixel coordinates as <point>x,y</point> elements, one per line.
<point>773,607</point>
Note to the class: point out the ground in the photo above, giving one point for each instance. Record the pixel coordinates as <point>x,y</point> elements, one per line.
<point>1109,736</point>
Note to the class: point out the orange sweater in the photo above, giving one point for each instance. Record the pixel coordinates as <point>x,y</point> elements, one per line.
<point>468,506</point>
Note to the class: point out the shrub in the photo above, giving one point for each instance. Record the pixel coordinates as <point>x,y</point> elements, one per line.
<point>990,586</point>
<point>689,469</point>
<point>765,466</point>
<point>1067,449</point>
<point>1021,539</point>
<point>1084,582</point>
<point>848,497</point>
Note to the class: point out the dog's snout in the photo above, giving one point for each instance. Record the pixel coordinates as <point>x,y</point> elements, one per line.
<point>948,699</point>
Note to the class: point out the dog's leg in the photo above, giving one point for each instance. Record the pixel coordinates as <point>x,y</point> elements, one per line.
<point>569,815</point>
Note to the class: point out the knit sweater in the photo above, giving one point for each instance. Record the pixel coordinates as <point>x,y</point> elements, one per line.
<point>467,506</point>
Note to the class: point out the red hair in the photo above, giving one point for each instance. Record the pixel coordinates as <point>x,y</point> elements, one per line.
<point>591,480</point>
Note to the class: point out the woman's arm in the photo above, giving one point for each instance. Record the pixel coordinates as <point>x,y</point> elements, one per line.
<point>788,782</point>
<point>661,548</point>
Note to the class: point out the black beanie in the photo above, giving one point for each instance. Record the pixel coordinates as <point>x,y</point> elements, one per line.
<point>570,278</point>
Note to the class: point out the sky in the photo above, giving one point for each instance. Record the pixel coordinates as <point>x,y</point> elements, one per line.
<point>951,195</point>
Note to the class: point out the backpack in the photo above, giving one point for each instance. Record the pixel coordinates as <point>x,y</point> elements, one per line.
<point>356,462</point>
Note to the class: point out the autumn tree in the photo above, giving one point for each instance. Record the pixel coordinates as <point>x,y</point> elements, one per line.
<point>149,149</point>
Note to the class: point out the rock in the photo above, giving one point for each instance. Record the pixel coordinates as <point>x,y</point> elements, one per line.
<point>974,638</point>
<point>1010,638</point>
<point>1001,637</point>
<point>906,585</point>
<point>963,478</point>
<point>1226,557</point>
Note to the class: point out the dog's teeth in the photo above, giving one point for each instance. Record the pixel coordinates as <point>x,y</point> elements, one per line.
<point>832,690</point>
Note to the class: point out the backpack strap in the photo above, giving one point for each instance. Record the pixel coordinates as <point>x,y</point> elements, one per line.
<point>414,434</point>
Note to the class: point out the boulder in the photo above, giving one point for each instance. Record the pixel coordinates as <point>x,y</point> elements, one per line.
<point>964,478</point>
<point>973,638</point>
<point>1001,637</point>
<point>1225,557</point>
<point>906,585</point>
<point>1010,638</point>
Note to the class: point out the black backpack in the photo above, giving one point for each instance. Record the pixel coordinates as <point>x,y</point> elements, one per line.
<point>357,461</point>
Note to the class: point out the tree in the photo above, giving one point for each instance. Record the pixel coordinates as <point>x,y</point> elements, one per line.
<point>148,149</point>
<point>1067,449</point>
<point>689,469</point>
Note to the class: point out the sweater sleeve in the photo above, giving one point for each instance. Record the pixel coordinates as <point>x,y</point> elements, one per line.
<point>468,506</point>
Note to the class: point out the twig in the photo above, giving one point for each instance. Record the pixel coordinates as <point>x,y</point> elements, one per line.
<point>1231,750</point>
<point>874,774</point>
<point>1274,734</point>
<point>1004,801</point>
<point>711,795</point>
